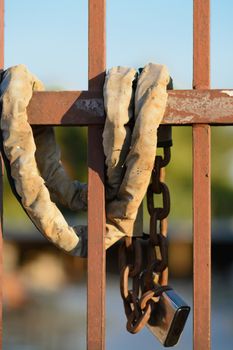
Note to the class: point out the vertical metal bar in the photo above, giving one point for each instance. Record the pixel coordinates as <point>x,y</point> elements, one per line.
<point>201,44</point>
<point>96,205</point>
<point>201,185</point>
<point>202,237</point>
<point>96,44</point>
<point>1,165</point>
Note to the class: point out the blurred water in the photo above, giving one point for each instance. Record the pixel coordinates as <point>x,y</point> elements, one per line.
<point>57,320</point>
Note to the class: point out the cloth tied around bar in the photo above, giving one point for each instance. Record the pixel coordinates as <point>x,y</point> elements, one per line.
<point>32,158</point>
<point>130,152</point>
<point>34,169</point>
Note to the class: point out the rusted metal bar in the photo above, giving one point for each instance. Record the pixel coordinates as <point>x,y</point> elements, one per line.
<point>96,203</point>
<point>199,106</point>
<point>96,44</point>
<point>201,44</point>
<point>67,108</point>
<point>201,185</point>
<point>1,167</point>
<point>185,107</point>
<point>202,236</point>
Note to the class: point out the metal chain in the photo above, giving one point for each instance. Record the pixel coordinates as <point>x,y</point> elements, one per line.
<point>158,248</point>
<point>130,262</point>
<point>149,284</point>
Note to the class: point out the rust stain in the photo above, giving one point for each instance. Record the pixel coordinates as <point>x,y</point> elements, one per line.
<point>203,105</point>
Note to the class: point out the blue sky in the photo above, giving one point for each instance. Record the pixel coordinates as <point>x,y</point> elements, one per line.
<point>50,37</point>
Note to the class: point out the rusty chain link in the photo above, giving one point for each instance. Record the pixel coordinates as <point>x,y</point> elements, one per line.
<point>130,262</point>
<point>147,284</point>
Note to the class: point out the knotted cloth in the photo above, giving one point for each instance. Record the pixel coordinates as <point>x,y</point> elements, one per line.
<point>32,160</point>
<point>130,154</point>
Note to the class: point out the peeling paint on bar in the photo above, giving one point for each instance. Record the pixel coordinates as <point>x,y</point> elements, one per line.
<point>228,92</point>
<point>169,119</point>
<point>205,106</point>
<point>93,106</point>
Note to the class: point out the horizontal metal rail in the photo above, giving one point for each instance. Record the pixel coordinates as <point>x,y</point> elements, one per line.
<point>184,107</point>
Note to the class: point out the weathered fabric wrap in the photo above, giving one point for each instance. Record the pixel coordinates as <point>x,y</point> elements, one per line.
<point>71,194</point>
<point>118,102</point>
<point>131,157</point>
<point>36,171</point>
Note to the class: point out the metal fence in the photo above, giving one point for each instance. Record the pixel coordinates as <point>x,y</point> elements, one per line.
<point>200,108</point>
